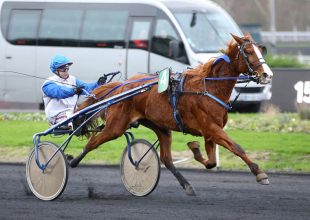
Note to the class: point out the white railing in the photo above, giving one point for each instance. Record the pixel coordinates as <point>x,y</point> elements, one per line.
<point>285,36</point>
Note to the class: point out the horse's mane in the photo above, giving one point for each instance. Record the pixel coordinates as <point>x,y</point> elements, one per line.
<point>205,70</point>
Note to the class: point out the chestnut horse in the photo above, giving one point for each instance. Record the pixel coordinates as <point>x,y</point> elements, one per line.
<point>200,114</point>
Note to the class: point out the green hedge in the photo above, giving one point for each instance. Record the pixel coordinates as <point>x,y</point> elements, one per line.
<point>284,61</point>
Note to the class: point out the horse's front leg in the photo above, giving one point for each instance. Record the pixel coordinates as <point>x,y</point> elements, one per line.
<point>221,138</point>
<point>210,149</point>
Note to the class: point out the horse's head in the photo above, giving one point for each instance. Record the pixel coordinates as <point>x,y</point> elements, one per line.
<point>250,59</point>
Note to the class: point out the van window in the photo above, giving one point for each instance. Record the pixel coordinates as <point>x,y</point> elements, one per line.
<point>23,27</point>
<point>206,31</point>
<point>60,27</point>
<point>104,28</point>
<point>4,19</point>
<point>163,36</point>
<point>140,34</point>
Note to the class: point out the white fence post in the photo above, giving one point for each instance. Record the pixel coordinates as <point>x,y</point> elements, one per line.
<point>217,156</point>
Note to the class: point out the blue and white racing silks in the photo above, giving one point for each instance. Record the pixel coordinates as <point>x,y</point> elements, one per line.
<point>58,95</point>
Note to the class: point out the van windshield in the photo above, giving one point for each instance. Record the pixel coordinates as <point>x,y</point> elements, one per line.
<point>207,31</point>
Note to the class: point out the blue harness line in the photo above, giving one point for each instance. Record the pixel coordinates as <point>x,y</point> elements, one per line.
<point>126,83</point>
<point>229,78</point>
<point>226,58</point>
<point>227,106</point>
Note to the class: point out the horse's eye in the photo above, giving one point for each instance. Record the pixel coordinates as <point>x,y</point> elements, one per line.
<point>250,52</point>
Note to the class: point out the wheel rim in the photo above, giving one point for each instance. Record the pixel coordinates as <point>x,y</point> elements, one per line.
<point>47,185</point>
<point>142,180</point>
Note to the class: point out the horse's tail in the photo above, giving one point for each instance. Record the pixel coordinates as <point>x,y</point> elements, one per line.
<point>100,93</point>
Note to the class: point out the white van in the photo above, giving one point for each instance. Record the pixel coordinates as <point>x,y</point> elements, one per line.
<point>102,36</point>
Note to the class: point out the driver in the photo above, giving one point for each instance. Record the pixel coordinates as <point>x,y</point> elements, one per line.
<point>61,91</point>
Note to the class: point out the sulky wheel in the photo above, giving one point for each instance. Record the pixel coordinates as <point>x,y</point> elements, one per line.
<point>142,179</point>
<point>50,183</point>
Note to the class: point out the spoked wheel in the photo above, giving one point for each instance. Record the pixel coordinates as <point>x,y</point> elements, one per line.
<point>50,183</point>
<point>142,179</point>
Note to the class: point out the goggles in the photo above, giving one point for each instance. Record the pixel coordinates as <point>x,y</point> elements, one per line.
<point>64,68</point>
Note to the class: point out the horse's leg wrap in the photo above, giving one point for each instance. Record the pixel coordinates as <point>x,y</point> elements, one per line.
<point>75,162</point>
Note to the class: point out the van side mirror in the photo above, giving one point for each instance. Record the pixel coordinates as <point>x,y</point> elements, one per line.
<point>177,51</point>
<point>174,49</point>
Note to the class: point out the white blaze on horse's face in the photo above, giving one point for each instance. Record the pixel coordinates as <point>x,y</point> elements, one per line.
<point>267,74</point>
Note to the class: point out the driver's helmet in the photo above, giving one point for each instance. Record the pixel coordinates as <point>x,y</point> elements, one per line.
<point>59,61</point>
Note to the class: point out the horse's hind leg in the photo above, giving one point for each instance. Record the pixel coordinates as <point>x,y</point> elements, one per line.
<point>112,130</point>
<point>166,158</point>
<point>210,149</point>
<point>164,138</point>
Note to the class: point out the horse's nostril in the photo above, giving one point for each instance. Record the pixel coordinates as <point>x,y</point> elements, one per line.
<point>265,75</point>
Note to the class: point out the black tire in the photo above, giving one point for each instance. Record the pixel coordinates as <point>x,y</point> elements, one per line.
<point>142,180</point>
<point>50,183</point>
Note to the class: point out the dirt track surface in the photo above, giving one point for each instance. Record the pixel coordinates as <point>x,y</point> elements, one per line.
<point>98,193</point>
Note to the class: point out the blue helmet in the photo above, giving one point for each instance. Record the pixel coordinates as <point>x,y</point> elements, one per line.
<point>59,61</point>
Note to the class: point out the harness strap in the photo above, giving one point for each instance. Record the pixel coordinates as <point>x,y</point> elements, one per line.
<point>237,96</point>
<point>176,89</point>
<point>227,106</point>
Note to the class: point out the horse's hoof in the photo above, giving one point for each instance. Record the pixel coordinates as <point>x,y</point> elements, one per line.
<point>264,182</point>
<point>210,166</point>
<point>73,163</point>
<point>190,191</point>
<point>262,178</point>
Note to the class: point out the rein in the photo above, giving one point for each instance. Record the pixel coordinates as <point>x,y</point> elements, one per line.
<point>227,106</point>
<point>177,84</point>
<point>36,77</point>
<point>123,84</point>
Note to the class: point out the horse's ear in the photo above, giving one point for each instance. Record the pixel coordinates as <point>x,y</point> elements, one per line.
<point>238,39</point>
<point>249,36</point>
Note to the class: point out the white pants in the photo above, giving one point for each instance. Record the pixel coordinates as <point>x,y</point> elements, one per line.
<point>60,117</point>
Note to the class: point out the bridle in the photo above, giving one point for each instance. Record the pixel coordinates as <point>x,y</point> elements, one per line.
<point>261,60</point>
